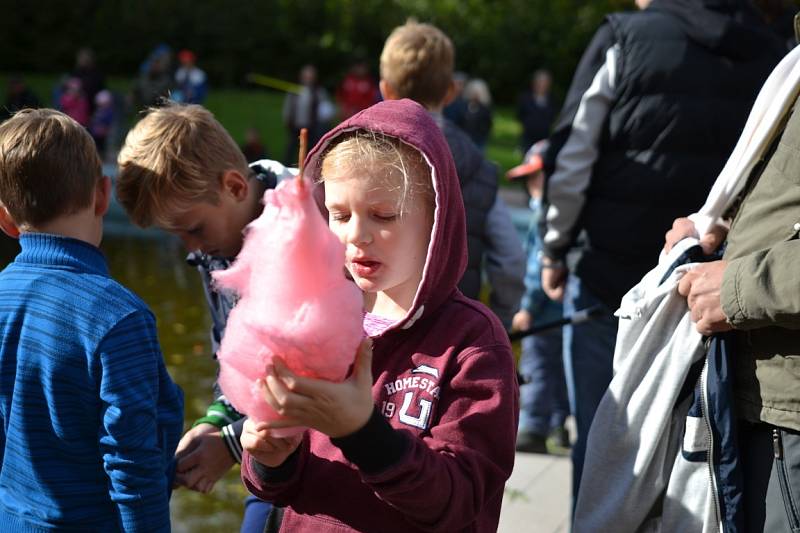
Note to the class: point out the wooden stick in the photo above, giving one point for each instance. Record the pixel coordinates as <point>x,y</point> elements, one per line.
<point>302,155</point>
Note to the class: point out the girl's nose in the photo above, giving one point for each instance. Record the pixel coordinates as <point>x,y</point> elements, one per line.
<point>358,232</point>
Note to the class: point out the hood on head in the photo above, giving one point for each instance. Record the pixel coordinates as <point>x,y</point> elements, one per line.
<point>409,122</point>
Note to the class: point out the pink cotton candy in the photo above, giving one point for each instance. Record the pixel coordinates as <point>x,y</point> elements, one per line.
<point>294,301</point>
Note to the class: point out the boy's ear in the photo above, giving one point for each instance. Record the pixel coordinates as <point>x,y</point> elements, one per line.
<point>7,223</point>
<point>386,91</point>
<point>102,196</point>
<point>235,184</point>
<point>452,92</point>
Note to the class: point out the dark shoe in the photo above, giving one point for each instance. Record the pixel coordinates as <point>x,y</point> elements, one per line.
<point>560,437</point>
<point>528,442</point>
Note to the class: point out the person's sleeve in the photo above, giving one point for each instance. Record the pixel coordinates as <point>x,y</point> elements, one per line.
<point>534,299</point>
<point>232,434</point>
<point>442,482</point>
<point>505,262</point>
<point>222,415</point>
<point>280,484</point>
<point>761,289</point>
<point>526,303</point>
<point>129,438</point>
<point>574,143</point>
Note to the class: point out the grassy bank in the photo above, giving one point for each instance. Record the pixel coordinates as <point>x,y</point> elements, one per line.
<point>240,108</point>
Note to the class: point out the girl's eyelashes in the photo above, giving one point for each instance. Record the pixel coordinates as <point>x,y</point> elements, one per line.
<point>197,230</point>
<point>383,217</point>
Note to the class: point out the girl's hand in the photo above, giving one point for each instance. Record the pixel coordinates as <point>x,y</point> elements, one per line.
<point>335,409</point>
<point>266,449</point>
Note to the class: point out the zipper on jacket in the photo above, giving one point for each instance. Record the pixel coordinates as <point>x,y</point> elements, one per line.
<point>710,443</point>
<point>776,444</point>
<point>783,480</point>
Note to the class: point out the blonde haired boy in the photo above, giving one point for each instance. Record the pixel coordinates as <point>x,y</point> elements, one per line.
<point>89,417</point>
<point>417,63</point>
<point>180,170</point>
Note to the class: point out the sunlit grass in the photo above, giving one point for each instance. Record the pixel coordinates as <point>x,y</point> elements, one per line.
<point>241,108</point>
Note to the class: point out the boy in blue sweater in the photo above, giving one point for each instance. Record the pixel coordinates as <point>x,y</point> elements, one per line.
<point>89,417</point>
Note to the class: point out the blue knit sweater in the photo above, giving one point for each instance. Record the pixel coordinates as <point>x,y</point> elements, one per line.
<point>90,417</point>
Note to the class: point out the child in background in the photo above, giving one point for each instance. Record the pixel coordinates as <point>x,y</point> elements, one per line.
<point>89,417</point>
<point>253,149</point>
<point>543,397</point>
<point>75,103</point>
<point>180,170</point>
<point>417,63</point>
<point>102,120</point>
<point>429,442</point>
<point>191,83</point>
<point>357,91</point>
<point>478,115</point>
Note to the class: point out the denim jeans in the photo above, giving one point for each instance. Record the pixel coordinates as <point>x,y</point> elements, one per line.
<point>588,366</point>
<point>543,396</point>
<point>255,515</point>
<point>770,460</point>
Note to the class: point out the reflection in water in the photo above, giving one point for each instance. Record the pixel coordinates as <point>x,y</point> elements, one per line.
<point>155,270</point>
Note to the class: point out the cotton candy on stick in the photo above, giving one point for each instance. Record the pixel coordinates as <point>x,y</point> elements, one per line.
<point>295,301</point>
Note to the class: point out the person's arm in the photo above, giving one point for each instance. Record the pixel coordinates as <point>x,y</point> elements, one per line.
<point>534,299</point>
<point>761,289</point>
<point>280,482</point>
<point>574,143</point>
<point>505,262</point>
<point>208,450</point>
<point>129,441</point>
<point>442,482</point>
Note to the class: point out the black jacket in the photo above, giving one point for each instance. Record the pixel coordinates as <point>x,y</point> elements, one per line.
<point>685,77</point>
<point>478,179</point>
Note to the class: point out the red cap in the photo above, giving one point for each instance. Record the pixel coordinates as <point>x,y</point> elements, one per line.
<point>186,56</point>
<point>532,162</point>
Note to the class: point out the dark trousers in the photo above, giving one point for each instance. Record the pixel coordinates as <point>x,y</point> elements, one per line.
<point>588,366</point>
<point>543,397</point>
<point>255,516</point>
<point>770,460</point>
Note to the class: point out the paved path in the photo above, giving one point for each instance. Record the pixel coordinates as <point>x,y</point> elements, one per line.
<point>537,496</point>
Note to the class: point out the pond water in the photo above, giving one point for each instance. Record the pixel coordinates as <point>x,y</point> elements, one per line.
<point>153,266</point>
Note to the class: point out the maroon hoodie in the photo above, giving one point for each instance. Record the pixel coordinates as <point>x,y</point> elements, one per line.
<point>440,444</point>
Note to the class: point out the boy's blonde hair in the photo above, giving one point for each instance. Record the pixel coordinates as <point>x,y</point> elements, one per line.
<point>49,166</point>
<point>172,159</point>
<point>417,63</point>
<point>403,167</point>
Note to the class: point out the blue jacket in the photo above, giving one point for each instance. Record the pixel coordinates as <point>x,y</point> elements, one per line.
<point>89,416</point>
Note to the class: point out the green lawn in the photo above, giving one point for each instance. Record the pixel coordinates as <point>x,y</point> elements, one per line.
<point>239,109</point>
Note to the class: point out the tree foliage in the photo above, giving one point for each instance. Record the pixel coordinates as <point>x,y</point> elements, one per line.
<point>502,41</point>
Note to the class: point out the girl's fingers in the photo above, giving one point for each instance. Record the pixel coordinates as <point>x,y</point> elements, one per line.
<point>283,400</point>
<point>295,383</point>
<point>274,390</point>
